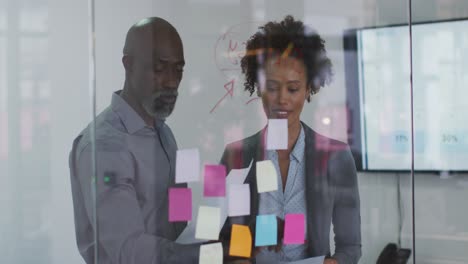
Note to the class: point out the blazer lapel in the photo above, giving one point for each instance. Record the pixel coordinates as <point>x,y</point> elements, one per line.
<point>313,235</point>
<point>317,196</point>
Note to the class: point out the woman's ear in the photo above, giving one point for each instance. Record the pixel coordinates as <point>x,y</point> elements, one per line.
<point>309,90</point>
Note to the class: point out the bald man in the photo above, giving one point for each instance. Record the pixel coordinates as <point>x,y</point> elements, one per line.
<point>135,159</point>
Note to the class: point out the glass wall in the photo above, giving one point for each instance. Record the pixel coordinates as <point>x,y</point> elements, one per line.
<point>211,95</point>
<point>440,75</point>
<point>88,138</point>
<point>44,103</point>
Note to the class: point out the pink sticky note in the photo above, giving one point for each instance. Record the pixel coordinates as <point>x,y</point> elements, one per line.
<point>215,181</point>
<point>294,229</point>
<point>180,204</point>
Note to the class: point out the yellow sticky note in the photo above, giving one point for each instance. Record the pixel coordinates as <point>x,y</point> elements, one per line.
<point>267,179</point>
<point>208,223</point>
<point>241,241</point>
<point>211,254</point>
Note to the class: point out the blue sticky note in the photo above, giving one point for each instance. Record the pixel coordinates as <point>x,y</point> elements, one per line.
<point>266,230</point>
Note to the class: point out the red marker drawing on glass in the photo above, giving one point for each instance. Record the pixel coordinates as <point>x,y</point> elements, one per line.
<point>229,87</point>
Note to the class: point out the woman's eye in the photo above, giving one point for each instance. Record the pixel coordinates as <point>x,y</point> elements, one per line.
<point>271,88</point>
<point>293,90</point>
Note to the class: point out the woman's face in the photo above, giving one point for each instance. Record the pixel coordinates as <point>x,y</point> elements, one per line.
<point>284,88</point>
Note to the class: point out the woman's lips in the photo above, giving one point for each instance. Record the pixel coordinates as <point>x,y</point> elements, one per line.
<point>281,114</point>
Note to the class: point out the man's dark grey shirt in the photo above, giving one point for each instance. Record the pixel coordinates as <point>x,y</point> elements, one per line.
<point>135,166</point>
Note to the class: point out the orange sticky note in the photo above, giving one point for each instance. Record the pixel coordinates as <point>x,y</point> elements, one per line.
<point>241,241</point>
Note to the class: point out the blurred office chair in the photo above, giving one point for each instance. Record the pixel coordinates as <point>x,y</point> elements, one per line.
<point>391,254</point>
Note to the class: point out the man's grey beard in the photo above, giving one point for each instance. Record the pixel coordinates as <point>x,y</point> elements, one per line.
<point>157,108</point>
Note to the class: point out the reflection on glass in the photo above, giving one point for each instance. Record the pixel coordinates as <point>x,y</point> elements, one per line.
<point>44,105</point>
<point>24,133</point>
<point>33,16</point>
<point>439,53</point>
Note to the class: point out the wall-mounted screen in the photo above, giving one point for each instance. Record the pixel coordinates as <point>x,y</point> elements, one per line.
<point>379,96</point>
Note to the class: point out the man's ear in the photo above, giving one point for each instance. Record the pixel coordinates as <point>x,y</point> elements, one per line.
<point>127,62</point>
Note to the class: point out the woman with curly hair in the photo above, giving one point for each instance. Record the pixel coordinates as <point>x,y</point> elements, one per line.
<point>285,64</point>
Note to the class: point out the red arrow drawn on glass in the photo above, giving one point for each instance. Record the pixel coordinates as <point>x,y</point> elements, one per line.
<point>229,87</point>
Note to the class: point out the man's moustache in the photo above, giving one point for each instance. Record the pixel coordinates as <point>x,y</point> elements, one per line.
<point>166,93</point>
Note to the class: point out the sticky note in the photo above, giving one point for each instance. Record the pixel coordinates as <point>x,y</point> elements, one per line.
<point>241,241</point>
<point>214,181</point>
<point>266,230</point>
<point>208,223</point>
<point>294,229</point>
<point>187,165</point>
<point>180,204</point>
<point>277,134</point>
<point>238,199</point>
<point>210,254</point>
<point>267,179</point>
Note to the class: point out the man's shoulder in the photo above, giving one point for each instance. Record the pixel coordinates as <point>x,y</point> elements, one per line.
<point>108,135</point>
